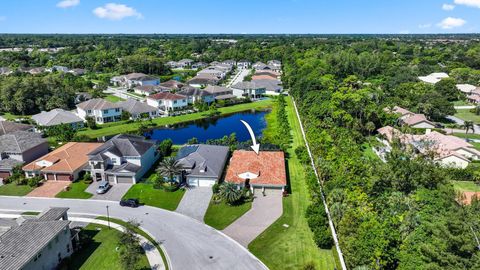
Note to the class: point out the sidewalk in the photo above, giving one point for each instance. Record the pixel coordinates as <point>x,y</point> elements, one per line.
<point>152,253</point>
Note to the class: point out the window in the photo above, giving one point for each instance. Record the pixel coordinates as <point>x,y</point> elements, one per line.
<point>89,111</point>
<point>114,160</point>
<point>117,110</point>
<point>68,247</point>
<point>105,111</point>
<point>174,102</point>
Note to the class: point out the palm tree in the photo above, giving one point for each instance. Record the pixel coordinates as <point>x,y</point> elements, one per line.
<point>169,168</point>
<point>469,125</point>
<point>230,192</point>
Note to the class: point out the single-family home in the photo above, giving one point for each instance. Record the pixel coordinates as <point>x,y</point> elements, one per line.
<point>63,164</point>
<point>243,64</point>
<point>172,64</point>
<point>249,90</point>
<point>275,63</point>
<point>196,95</point>
<point>198,65</point>
<point>37,70</point>
<point>266,75</point>
<point>466,88</point>
<point>5,71</point>
<point>411,119</point>
<point>148,90</point>
<point>259,66</point>
<point>57,117</point>
<point>7,127</point>
<point>172,84</point>
<point>134,79</point>
<point>101,110</point>
<point>265,170</point>
<point>168,101</point>
<point>220,92</point>
<point>39,242</point>
<point>203,81</point>
<point>447,150</point>
<point>19,147</point>
<point>185,63</point>
<point>433,78</point>
<point>229,62</point>
<point>78,71</point>
<point>202,165</point>
<point>272,87</point>
<point>82,96</point>
<point>123,159</point>
<point>217,73</point>
<point>139,110</point>
<point>473,98</point>
<point>57,69</point>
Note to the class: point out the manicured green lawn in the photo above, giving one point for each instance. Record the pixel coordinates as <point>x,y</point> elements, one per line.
<point>466,186</point>
<point>113,98</point>
<point>155,197</point>
<point>116,128</point>
<point>142,233</point>
<point>102,253</point>
<point>9,116</point>
<point>30,213</point>
<point>219,216</point>
<point>469,135</point>
<point>292,247</point>
<point>13,189</point>
<point>76,191</point>
<point>461,103</point>
<point>466,115</point>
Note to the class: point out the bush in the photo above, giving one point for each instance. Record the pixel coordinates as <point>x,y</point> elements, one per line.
<point>165,148</point>
<point>87,178</point>
<point>323,238</point>
<point>216,188</point>
<point>34,181</point>
<point>309,266</point>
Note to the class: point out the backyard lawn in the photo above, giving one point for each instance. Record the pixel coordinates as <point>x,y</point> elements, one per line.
<point>116,128</point>
<point>146,194</point>
<point>113,98</point>
<point>219,216</point>
<point>76,191</point>
<point>466,186</point>
<point>13,189</point>
<point>466,115</point>
<point>469,136</point>
<point>101,253</point>
<point>292,247</point>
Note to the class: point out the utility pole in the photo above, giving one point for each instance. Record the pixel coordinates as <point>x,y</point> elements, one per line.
<point>108,217</point>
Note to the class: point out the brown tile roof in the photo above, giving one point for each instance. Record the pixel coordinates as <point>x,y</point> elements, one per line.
<point>67,158</point>
<point>264,77</point>
<point>268,165</point>
<point>467,197</point>
<point>167,96</point>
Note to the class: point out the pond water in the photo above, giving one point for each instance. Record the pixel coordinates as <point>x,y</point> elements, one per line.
<point>213,128</point>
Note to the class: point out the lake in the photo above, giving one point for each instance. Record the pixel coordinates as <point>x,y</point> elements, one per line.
<point>213,128</point>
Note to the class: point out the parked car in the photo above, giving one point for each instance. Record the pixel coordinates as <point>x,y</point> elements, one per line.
<point>103,187</point>
<point>130,203</point>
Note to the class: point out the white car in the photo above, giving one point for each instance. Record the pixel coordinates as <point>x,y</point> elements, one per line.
<point>103,187</point>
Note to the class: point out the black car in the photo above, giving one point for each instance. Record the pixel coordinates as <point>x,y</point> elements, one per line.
<point>130,203</point>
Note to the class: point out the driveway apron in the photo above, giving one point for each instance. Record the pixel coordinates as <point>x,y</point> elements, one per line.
<point>195,202</point>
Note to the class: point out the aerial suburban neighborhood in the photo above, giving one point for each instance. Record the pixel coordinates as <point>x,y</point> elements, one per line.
<point>310,135</point>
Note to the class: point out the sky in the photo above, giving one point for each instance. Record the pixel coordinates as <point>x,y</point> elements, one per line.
<point>240,16</point>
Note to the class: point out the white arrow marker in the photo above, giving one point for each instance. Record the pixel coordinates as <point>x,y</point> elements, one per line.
<point>255,146</point>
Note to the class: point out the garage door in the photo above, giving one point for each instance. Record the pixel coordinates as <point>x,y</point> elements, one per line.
<point>50,176</point>
<point>64,177</point>
<point>4,175</point>
<point>206,182</point>
<point>111,178</point>
<point>193,182</point>
<point>124,179</point>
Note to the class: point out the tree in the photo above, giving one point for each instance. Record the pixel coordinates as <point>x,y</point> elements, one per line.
<point>91,122</point>
<point>447,88</point>
<point>165,148</point>
<point>230,193</point>
<point>169,168</point>
<point>192,141</point>
<point>468,125</point>
<point>126,115</point>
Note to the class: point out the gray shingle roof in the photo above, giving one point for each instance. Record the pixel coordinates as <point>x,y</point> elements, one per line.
<point>124,145</point>
<point>269,85</point>
<point>215,90</point>
<point>249,85</point>
<point>192,91</point>
<point>54,213</point>
<point>8,164</point>
<point>9,127</point>
<point>56,117</point>
<point>97,104</point>
<point>135,107</point>
<point>203,160</point>
<point>20,141</point>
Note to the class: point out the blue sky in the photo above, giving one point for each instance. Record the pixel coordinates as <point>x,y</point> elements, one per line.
<point>239,16</point>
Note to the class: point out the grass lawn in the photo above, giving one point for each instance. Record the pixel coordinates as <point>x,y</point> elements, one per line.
<point>113,98</point>
<point>466,186</point>
<point>469,135</point>
<point>142,233</point>
<point>461,103</point>
<point>466,115</point>
<point>293,247</point>
<point>101,253</point>
<point>76,191</point>
<point>30,213</point>
<point>11,117</point>
<point>116,128</point>
<point>12,189</point>
<point>368,152</point>
<point>146,194</point>
<point>219,216</point>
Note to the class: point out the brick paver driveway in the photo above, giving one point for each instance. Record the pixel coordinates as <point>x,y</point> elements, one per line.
<point>49,189</point>
<point>265,210</point>
<point>195,202</point>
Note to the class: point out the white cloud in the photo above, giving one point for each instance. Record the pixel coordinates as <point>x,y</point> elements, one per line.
<point>113,11</point>
<point>68,3</point>
<point>448,7</point>
<point>426,25</point>
<point>450,23</point>
<point>470,3</point>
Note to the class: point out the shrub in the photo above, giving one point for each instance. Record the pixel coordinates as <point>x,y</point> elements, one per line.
<point>309,266</point>
<point>323,238</point>
<point>34,181</point>
<point>216,188</point>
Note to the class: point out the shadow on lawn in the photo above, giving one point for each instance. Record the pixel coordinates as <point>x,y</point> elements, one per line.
<point>85,249</point>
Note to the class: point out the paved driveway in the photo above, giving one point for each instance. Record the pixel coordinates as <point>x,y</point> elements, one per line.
<point>195,202</point>
<point>115,193</point>
<point>188,243</point>
<point>265,210</point>
<point>49,189</point>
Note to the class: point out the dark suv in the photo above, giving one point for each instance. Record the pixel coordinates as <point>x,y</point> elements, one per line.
<point>130,203</point>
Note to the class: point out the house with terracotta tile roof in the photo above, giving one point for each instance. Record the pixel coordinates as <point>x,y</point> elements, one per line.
<point>448,150</point>
<point>63,164</point>
<point>408,118</point>
<point>265,170</point>
<point>168,101</point>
